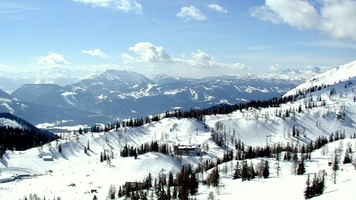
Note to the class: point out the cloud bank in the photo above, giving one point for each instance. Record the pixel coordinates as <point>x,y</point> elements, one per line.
<point>334,17</point>
<point>150,53</point>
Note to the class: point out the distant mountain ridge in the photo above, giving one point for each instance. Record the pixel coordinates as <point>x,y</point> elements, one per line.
<point>124,94</point>
<point>119,94</point>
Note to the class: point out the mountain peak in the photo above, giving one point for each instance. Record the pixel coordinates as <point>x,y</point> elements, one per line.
<point>122,77</point>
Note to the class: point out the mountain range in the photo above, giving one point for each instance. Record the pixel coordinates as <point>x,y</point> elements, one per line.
<point>120,94</point>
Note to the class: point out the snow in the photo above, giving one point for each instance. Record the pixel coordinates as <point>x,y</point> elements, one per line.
<point>335,75</point>
<point>9,123</point>
<point>66,93</point>
<point>254,127</point>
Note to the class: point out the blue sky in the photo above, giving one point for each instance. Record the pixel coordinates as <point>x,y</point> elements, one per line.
<point>183,37</point>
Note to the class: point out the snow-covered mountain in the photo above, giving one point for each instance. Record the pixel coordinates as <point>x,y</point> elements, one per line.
<point>123,94</point>
<point>44,113</point>
<point>297,123</point>
<point>338,74</point>
<point>111,80</point>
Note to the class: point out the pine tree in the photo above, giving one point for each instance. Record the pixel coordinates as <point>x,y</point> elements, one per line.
<point>112,192</point>
<point>265,170</point>
<point>251,171</point>
<point>307,191</point>
<point>101,157</point>
<point>216,177</point>
<point>294,165</point>
<point>335,167</point>
<point>347,158</point>
<point>245,171</point>
<point>278,168</point>
<point>174,195</point>
<point>193,183</point>
<point>211,196</point>
<point>60,148</point>
<point>301,168</point>
<point>160,192</point>
<point>319,189</point>
<point>238,171</point>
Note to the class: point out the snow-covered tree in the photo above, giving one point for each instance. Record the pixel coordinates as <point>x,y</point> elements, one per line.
<point>237,172</point>
<point>112,191</point>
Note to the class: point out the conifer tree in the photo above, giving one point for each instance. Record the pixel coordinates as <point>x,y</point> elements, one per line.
<point>335,167</point>
<point>347,158</point>
<point>278,168</point>
<point>216,177</point>
<point>112,191</point>
<point>101,157</point>
<point>174,194</point>
<point>266,170</point>
<point>193,184</point>
<point>294,165</point>
<point>237,173</point>
<point>251,171</point>
<point>60,148</point>
<point>301,168</point>
<point>245,171</point>
<point>307,191</point>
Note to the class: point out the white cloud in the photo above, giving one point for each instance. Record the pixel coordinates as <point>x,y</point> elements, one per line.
<point>151,53</point>
<point>274,67</point>
<point>204,60</point>
<point>95,52</point>
<point>127,58</point>
<point>123,5</point>
<point>156,54</point>
<point>128,5</point>
<point>333,17</point>
<point>52,59</point>
<point>191,13</point>
<point>217,8</point>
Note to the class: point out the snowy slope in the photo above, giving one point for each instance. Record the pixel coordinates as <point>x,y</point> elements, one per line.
<point>333,76</point>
